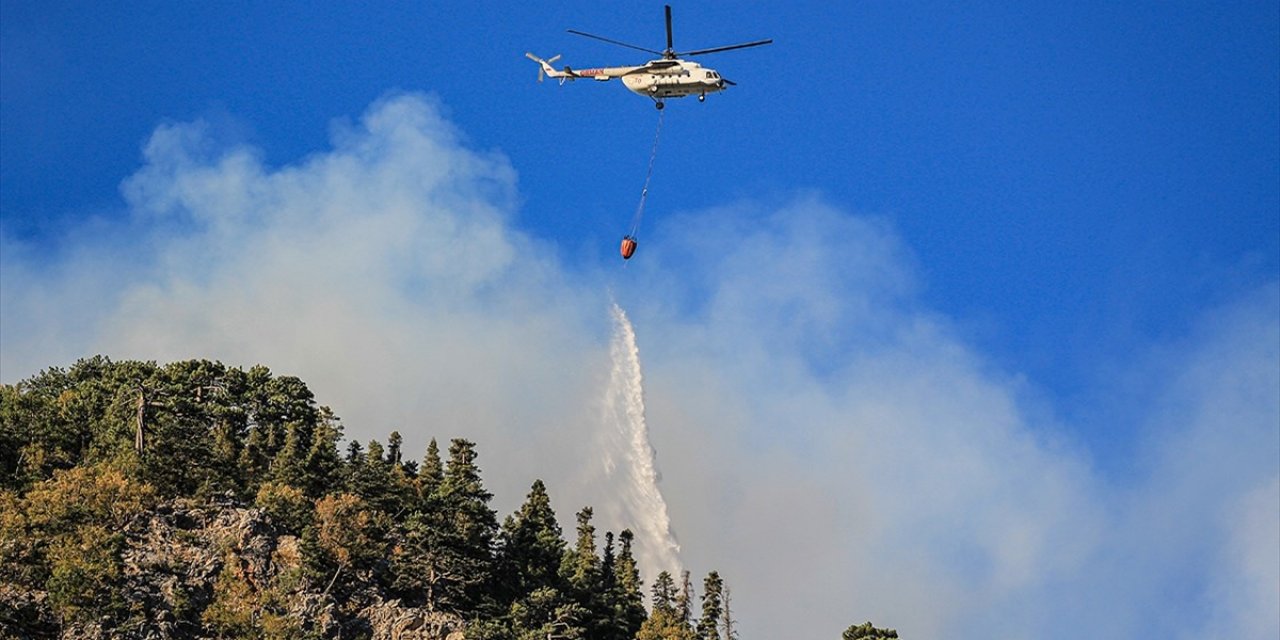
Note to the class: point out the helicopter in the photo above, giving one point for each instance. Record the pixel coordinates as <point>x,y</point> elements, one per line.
<point>666,77</point>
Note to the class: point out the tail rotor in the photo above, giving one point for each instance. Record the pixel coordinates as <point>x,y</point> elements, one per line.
<point>543,65</point>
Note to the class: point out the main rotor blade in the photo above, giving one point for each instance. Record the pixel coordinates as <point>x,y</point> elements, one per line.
<point>731,47</point>
<point>670,47</point>
<point>620,44</point>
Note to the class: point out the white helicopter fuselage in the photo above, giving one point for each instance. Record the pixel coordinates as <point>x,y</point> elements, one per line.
<point>673,81</point>
<point>667,77</point>
<point>657,79</point>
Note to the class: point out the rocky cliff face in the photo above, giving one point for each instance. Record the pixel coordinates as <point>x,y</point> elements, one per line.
<point>219,570</point>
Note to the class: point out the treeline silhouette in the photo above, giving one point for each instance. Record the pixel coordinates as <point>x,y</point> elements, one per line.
<point>199,500</point>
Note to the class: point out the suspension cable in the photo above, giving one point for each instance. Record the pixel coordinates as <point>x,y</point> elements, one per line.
<point>644,192</point>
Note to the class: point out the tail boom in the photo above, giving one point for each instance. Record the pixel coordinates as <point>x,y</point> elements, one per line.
<point>599,73</point>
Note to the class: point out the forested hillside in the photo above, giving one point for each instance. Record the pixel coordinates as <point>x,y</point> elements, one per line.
<point>195,500</point>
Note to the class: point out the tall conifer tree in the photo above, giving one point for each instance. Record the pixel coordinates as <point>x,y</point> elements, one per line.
<point>323,466</point>
<point>287,466</point>
<point>684,600</point>
<point>628,597</point>
<point>581,566</point>
<point>445,559</point>
<point>430,474</point>
<point>664,621</point>
<point>868,631</point>
<point>664,593</point>
<point>464,507</point>
<point>532,546</point>
<point>394,442</point>
<point>712,607</point>
<point>370,478</point>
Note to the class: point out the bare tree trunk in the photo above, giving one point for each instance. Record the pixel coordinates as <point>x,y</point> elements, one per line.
<point>431,589</point>
<point>142,417</point>
<point>332,580</point>
<point>729,633</point>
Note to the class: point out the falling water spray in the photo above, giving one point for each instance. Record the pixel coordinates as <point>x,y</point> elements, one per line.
<point>630,464</point>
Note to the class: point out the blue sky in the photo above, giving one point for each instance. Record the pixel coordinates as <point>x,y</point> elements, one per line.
<point>1067,214</point>
<point>1075,180</point>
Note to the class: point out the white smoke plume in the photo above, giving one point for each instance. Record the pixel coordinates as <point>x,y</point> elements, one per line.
<point>829,443</point>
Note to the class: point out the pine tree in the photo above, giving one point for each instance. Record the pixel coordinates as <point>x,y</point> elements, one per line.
<point>531,546</point>
<point>287,466</point>
<point>225,456</point>
<point>548,613</point>
<point>529,583</point>
<point>429,567</point>
<point>606,564</point>
<point>463,496</point>
<point>173,439</point>
<point>355,454</point>
<point>712,607</point>
<point>287,506</point>
<point>684,600</point>
<point>665,621</point>
<point>581,566</point>
<point>583,569</point>
<point>868,631</point>
<point>346,537</point>
<point>254,460</point>
<point>394,441</point>
<point>206,395</point>
<point>617,619</point>
<point>628,599</point>
<point>323,467</point>
<point>371,478</point>
<point>67,535</point>
<point>275,401</point>
<point>178,457</point>
<point>664,593</point>
<point>455,537</point>
<point>430,474</point>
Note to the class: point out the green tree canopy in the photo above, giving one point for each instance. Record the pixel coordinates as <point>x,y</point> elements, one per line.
<point>868,631</point>
<point>712,607</point>
<point>531,546</point>
<point>105,464</point>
